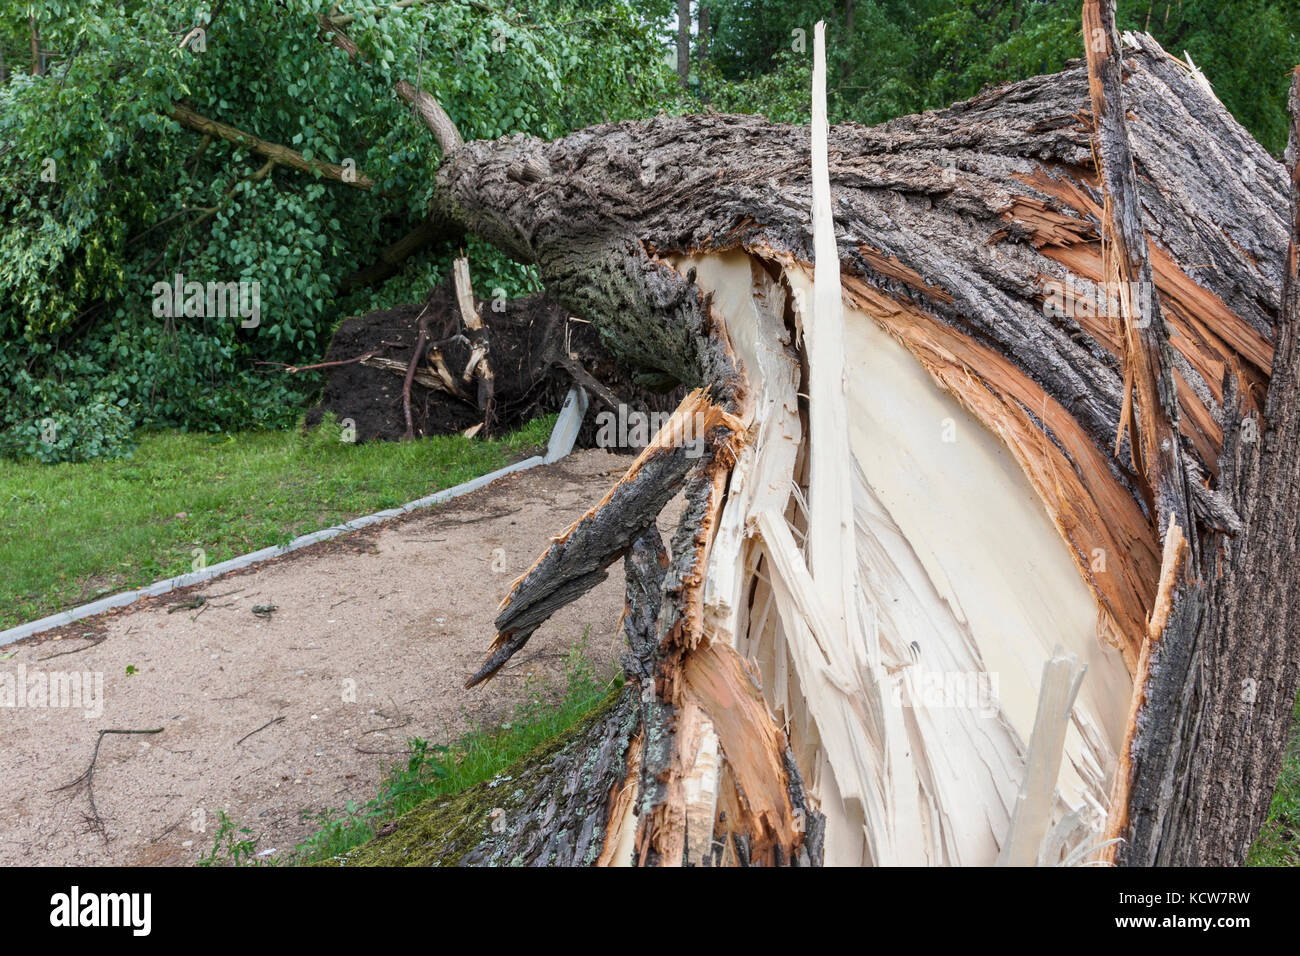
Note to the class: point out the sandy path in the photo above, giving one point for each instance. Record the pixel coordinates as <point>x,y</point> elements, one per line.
<point>374,635</point>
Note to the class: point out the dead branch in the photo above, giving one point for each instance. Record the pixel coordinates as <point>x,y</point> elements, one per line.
<point>307,368</point>
<point>422,324</point>
<point>94,643</point>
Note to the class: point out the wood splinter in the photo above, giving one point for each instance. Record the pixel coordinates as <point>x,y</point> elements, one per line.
<point>478,364</point>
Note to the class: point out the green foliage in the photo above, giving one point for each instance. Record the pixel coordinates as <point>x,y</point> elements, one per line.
<point>94,430</point>
<point>531,436</point>
<point>781,94</point>
<point>433,772</point>
<point>102,195</point>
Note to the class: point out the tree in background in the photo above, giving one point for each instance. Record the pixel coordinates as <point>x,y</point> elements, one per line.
<point>684,42</point>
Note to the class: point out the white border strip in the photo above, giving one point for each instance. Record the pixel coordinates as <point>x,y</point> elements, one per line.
<point>563,435</point>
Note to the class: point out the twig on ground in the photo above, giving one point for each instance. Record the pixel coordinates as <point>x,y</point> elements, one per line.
<point>189,605</point>
<point>76,650</point>
<point>486,517</point>
<point>376,730</point>
<point>274,720</point>
<point>88,778</point>
<point>168,830</point>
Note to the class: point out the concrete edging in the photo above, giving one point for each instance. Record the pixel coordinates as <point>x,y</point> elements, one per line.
<point>563,435</point>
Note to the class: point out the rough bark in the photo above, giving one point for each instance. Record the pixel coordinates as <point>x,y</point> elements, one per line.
<point>1151,416</point>
<point>1238,705</point>
<point>706,35</point>
<point>36,46</point>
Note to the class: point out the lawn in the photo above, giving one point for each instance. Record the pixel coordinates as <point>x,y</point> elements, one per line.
<point>70,533</point>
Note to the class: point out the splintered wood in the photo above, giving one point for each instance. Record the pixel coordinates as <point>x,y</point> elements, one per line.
<point>883,611</point>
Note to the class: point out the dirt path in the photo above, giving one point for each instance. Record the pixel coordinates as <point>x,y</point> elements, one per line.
<point>373,636</point>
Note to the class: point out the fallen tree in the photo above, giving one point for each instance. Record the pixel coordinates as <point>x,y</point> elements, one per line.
<point>990,474</point>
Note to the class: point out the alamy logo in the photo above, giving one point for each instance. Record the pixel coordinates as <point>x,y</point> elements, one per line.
<point>1085,299</point>
<point>63,689</point>
<point>629,428</point>
<point>102,909</point>
<point>214,300</point>
<point>967,690</point>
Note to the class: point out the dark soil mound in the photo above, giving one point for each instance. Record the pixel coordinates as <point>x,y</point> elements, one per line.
<point>538,352</point>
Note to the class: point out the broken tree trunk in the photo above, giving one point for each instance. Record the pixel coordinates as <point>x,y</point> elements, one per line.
<point>1058,303</point>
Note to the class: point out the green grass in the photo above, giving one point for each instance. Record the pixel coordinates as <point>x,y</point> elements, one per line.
<point>433,771</point>
<point>72,532</point>
<point>1279,841</point>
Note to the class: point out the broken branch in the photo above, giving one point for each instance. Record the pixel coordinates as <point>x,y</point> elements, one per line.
<point>282,155</point>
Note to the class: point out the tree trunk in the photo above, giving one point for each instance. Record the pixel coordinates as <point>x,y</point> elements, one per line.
<point>1236,714</point>
<point>706,28</point>
<point>684,42</point>
<point>1024,467</point>
<point>37,68</point>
